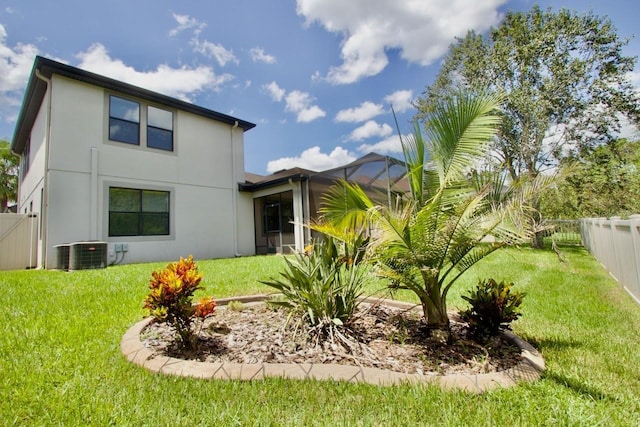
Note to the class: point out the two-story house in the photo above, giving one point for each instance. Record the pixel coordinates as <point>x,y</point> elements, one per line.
<point>102,160</point>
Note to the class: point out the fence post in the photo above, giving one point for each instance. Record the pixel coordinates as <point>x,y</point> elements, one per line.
<point>617,257</point>
<point>634,224</point>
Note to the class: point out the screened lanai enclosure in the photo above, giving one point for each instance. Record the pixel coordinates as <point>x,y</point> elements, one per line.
<point>288,199</point>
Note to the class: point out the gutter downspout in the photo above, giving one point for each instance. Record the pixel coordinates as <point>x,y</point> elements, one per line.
<point>45,184</point>
<point>234,196</point>
<point>93,226</point>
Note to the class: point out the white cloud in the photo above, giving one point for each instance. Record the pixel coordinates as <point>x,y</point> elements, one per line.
<point>369,130</point>
<point>15,68</point>
<point>309,114</point>
<point>275,91</point>
<point>400,100</point>
<point>258,55</point>
<point>389,145</point>
<point>297,102</point>
<point>213,50</point>
<point>421,30</point>
<point>183,82</point>
<point>209,49</point>
<point>367,110</point>
<point>300,103</point>
<point>185,22</point>
<point>628,129</point>
<point>313,159</point>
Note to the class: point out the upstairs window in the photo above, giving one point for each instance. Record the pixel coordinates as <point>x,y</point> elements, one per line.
<point>159,128</point>
<point>124,120</point>
<point>135,212</point>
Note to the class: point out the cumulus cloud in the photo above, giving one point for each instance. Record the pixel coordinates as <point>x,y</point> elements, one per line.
<point>390,145</point>
<point>204,47</point>
<point>313,159</point>
<point>15,67</point>
<point>297,102</point>
<point>183,82</point>
<point>369,130</point>
<point>300,103</point>
<point>275,91</point>
<point>400,100</point>
<point>214,50</point>
<point>367,110</point>
<point>421,30</point>
<point>185,22</point>
<point>259,55</point>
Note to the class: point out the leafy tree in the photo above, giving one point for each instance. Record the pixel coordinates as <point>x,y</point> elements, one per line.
<point>565,80</point>
<point>8,175</point>
<point>427,240</point>
<point>603,183</point>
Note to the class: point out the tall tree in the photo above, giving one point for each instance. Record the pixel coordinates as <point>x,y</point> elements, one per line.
<point>8,175</point>
<point>566,84</point>
<point>603,183</point>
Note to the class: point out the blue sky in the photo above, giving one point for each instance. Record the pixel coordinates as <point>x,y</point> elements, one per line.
<point>317,77</point>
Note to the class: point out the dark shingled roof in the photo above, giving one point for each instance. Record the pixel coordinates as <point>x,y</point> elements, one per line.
<point>36,89</point>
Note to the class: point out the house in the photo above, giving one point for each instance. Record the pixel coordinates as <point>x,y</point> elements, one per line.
<point>288,199</point>
<point>152,176</point>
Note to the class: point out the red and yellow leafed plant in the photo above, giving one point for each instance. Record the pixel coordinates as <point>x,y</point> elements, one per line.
<point>170,297</point>
<point>205,307</point>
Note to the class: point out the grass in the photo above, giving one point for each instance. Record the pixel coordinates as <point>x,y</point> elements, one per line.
<point>60,362</point>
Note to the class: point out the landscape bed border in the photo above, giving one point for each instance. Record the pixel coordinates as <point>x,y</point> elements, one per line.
<point>529,368</point>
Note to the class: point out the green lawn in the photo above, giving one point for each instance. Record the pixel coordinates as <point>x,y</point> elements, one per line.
<point>60,362</point>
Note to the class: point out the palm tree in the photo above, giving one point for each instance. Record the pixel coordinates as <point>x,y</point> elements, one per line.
<point>427,240</point>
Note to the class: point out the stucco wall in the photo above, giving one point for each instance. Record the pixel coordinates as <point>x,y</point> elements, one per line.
<point>32,183</point>
<point>198,174</point>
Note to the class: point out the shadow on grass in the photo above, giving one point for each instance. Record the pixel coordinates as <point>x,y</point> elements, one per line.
<point>551,343</point>
<point>578,387</point>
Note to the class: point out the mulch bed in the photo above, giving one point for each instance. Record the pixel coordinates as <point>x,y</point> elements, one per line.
<point>380,337</point>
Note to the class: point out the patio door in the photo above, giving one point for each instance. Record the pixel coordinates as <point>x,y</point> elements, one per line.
<point>273,226</point>
<point>273,223</point>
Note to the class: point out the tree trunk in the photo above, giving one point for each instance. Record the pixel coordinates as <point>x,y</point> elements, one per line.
<point>437,319</point>
<point>537,240</point>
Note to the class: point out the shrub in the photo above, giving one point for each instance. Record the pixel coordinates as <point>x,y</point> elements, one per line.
<point>170,298</point>
<point>493,307</point>
<point>321,285</point>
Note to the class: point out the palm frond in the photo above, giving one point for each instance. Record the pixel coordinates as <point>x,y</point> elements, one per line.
<point>460,129</point>
<point>346,204</point>
<point>413,148</point>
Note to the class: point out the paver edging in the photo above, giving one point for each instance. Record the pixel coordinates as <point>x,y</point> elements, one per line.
<point>132,347</point>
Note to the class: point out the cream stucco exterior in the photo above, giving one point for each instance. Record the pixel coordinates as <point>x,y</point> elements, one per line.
<point>73,164</point>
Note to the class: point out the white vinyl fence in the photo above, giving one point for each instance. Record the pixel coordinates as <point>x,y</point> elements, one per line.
<point>18,241</point>
<point>615,243</point>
